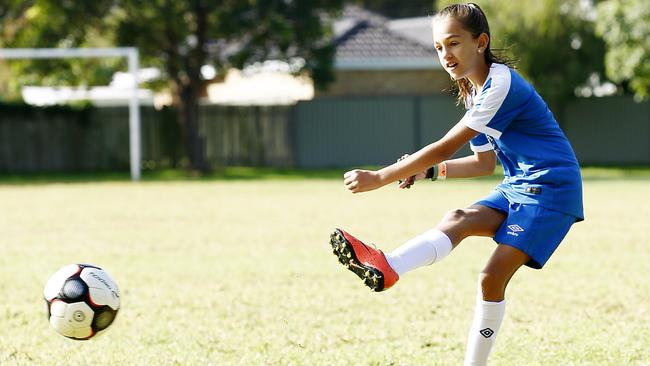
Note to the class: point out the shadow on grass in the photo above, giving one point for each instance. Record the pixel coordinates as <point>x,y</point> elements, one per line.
<point>250,173</point>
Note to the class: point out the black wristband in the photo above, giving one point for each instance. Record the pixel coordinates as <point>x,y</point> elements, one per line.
<point>429,173</point>
<point>434,173</point>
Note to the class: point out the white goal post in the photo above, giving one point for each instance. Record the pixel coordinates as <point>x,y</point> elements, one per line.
<point>133,57</point>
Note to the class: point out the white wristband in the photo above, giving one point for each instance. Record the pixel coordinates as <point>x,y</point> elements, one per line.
<point>442,171</point>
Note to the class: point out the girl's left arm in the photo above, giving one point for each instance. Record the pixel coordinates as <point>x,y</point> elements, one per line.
<point>477,165</point>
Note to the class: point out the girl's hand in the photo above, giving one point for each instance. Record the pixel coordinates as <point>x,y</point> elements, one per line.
<point>408,182</point>
<point>361,180</point>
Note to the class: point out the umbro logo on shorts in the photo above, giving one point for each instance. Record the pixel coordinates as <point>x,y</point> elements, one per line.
<point>514,229</point>
<point>487,332</point>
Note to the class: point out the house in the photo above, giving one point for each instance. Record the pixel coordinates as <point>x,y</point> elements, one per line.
<point>117,93</point>
<point>378,56</point>
<point>265,83</point>
<point>375,56</point>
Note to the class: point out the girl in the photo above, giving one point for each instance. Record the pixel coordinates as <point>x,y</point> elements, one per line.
<point>527,215</point>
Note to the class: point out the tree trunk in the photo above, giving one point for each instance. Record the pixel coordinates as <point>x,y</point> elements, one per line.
<point>189,118</point>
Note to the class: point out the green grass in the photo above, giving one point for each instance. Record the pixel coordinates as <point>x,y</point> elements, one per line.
<point>252,173</point>
<point>170,175</point>
<point>238,272</point>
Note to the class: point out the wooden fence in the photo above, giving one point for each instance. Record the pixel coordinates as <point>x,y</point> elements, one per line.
<point>97,139</point>
<point>247,136</point>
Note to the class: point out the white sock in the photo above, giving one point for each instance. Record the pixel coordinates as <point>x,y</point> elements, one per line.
<point>423,250</point>
<point>487,320</point>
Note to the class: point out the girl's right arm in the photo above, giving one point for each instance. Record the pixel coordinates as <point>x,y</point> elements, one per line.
<point>366,180</point>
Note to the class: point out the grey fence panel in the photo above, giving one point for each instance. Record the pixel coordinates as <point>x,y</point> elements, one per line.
<point>336,132</point>
<point>351,132</point>
<point>368,131</point>
<point>609,130</point>
<point>438,115</point>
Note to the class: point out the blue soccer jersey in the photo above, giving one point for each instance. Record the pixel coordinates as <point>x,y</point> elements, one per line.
<point>540,167</point>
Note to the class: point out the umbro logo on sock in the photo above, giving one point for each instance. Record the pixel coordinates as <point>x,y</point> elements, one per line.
<point>487,332</point>
<point>514,229</point>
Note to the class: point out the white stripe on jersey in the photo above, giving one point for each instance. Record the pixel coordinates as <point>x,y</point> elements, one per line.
<point>482,148</point>
<point>490,101</point>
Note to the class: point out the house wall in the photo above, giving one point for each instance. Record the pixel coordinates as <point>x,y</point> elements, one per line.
<point>387,82</point>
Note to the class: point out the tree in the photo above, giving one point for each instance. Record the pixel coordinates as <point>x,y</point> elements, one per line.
<point>35,23</point>
<point>180,37</point>
<point>624,26</point>
<point>552,42</point>
<point>398,8</point>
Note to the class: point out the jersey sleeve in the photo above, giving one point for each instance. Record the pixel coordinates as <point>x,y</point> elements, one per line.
<point>492,111</point>
<point>480,143</point>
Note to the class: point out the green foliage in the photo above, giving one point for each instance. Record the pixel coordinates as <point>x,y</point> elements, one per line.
<point>625,26</point>
<point>552,42</point>
<point>46,23</point>
<point>398,8</point>
<point>177,36</point>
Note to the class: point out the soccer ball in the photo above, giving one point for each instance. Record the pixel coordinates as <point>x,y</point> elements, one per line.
<point>81,300</point>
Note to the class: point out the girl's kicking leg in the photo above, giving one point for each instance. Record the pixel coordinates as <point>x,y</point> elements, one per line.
<point>380,271</point>
<point>435,244</point>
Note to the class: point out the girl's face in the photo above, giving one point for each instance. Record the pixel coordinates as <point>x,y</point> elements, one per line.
<point>460,54</point>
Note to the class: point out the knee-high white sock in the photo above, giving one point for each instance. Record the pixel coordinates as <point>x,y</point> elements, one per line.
<point>487,320</point>
<point>423,250</point>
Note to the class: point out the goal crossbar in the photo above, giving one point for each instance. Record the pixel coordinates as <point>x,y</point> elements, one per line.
<point>132,55</point>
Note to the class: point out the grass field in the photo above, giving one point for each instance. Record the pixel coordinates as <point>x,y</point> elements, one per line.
<point>239,272</point>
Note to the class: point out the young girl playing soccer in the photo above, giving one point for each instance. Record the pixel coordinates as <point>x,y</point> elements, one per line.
<point>527,215</point>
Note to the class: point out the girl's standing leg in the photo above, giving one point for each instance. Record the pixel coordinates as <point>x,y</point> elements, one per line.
<point>490,303</point>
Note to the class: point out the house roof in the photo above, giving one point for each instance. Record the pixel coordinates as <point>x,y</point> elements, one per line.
<point>368,41</point>
<point>416,29</point>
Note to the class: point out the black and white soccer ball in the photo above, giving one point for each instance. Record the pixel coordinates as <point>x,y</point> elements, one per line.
<point>82,301</point>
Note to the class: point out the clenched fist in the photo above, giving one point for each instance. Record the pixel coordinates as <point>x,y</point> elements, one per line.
<point>361,180</point>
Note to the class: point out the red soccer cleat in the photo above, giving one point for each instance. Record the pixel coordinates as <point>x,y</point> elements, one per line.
<point>368,263</point>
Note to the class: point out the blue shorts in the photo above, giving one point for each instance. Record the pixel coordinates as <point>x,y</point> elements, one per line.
<point>535,230</point>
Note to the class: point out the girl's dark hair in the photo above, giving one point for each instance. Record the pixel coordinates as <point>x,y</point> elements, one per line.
<point>474,21</point>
